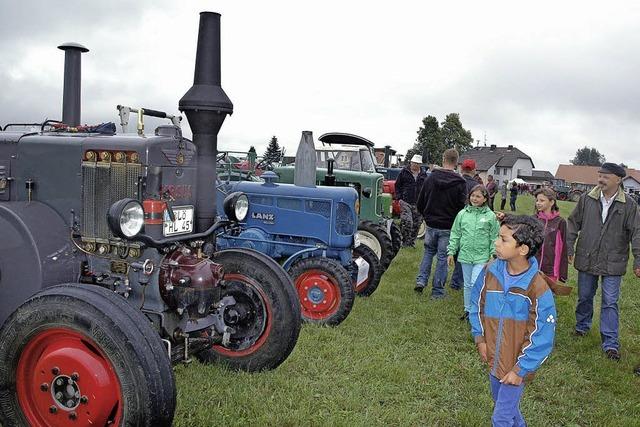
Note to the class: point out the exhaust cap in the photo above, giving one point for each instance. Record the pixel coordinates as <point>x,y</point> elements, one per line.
<point>72,82</point>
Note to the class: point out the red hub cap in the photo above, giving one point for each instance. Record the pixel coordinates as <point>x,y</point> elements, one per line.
<point>63,378</point>
<point>319,294</point>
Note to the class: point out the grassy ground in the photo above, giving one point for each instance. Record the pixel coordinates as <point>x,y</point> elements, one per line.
<point>402,359</point>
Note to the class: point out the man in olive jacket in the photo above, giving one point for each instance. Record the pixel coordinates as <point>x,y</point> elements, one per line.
<point>605,221</point>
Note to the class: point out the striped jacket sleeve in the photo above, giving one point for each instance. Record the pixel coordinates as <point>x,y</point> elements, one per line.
<point>476,311</point>
<point>541,330</point>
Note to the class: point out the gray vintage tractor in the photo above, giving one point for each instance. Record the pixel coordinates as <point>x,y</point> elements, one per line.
<point>108,272</point>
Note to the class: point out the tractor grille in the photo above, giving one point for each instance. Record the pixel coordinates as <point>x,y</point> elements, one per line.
<point>345,220</point>
<point>104,183</point>
<point>291,204</point>
<point>379,184</point>
<point>320,207</point>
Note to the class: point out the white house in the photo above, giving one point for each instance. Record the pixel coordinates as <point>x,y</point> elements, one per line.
<point>504,163</point>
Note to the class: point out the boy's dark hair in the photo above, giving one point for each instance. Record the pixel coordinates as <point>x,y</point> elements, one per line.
<point>484,192</point>
<point>526,231</point>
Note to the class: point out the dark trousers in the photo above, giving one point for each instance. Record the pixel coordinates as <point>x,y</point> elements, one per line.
<point>512,202</point>
<point>502,203</point>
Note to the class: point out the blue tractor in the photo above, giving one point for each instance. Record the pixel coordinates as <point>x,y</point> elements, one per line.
<point>311,232</point>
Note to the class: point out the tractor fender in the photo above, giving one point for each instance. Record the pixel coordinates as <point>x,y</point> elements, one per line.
<point>305,253</point>
<point>36,252</point>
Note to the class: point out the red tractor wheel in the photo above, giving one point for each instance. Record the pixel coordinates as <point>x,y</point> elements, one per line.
<point>81,355</point>
<point>265,318</point>
<point>324,289</point>
<point>372,281</point>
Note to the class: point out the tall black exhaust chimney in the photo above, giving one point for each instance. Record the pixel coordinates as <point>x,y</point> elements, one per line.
<point>72,78</point>
<point>206,106</point>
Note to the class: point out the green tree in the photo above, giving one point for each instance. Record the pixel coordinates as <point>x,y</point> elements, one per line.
<point>429,142</point>
<point>454,135</point>
<point>274,152</point>
<point>586,156</point>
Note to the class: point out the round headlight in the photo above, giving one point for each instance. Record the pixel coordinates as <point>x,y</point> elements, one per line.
<point>126,218</point>
<point>236,206</point>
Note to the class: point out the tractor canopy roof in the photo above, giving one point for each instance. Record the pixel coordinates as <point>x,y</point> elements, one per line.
<point>332,138</point>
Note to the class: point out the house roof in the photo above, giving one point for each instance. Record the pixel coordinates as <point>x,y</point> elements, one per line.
<point>538,176</point>
<point>587,174</point>
<point>485,157</point>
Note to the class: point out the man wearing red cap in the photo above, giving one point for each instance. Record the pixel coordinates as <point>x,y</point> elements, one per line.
<point>468,171</point>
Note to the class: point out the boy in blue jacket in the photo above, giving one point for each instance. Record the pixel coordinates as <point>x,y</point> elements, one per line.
<point>513,316</point>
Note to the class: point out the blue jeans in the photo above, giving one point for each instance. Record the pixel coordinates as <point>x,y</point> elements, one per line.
<point>457,278</point>
<point>587,286</point>
<point>470,273</point>
<point>435,242</point>
<point>506,411</point>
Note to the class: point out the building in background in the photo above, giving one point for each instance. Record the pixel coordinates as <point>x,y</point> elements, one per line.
<point>504,163</point>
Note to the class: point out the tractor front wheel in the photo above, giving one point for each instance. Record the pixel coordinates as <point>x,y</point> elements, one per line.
<point>375,236</point>
<point>265,317</point>
<point>370,284</point>
<point>81,355</point>
<point>324,288</point>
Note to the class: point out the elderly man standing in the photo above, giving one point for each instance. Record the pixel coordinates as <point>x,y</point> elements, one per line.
<point>605,221</point>
<point>408,185</point>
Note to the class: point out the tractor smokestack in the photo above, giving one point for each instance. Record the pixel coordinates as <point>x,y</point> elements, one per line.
<point>72,77</point>
<point>206,106</point>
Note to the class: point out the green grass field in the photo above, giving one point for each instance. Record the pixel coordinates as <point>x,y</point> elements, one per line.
<point>402,359</point>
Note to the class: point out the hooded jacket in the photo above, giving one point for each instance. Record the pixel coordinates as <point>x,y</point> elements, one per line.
<point>552,257</point>
<point>603,249</point>
<point>470,182</point>
<point>407,187</point>
<point>518,324</point>
<point>473,234</point>
<point>442,196</point>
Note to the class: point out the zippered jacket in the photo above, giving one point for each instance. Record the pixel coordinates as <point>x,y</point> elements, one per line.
<point>552,257</point>
<point>473,234</point>
<point>518,324</point>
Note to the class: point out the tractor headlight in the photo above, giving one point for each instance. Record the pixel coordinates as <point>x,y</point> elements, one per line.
<point>126,218</point>
<point>236,206</point>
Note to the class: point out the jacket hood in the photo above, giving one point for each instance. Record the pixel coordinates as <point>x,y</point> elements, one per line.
<point>481,209</point>
<point>548,216</point>
<point>444,178</point>
<point>499,266</point>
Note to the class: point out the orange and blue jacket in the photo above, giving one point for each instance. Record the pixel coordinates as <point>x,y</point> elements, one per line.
<point>517,323</point>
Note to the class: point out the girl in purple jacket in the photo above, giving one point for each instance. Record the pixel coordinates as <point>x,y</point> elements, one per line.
<point>552,257</point>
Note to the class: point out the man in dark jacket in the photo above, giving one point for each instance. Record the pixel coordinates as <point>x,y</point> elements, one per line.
<point>442,196</point>
<point>604,222</point>
<point>408,185</point>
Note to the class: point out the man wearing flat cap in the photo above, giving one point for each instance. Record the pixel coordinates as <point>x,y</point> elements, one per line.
<point>604,222</point>
<point>408,186</point>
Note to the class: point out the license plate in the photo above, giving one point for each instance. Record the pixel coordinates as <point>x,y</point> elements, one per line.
<point>183,221</point>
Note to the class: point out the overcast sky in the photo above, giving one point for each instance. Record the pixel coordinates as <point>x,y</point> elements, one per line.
<point>548,77</point>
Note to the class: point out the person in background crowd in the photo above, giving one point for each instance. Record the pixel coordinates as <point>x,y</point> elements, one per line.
<point>492,189</point>
<point>503,193</point>
<point>408,184</point>
<point>478,179</point>
<point>442,196</point>
<point>513,316</point>
<point>514,196</point>
<point>604,222</point>
<point>473,234</point>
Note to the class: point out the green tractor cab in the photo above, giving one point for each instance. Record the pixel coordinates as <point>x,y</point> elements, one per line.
<point>355,166</point>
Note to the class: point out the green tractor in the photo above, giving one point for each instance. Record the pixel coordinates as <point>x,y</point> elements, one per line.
<point>348,160</point>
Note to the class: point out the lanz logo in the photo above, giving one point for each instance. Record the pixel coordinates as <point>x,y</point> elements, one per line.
<point>267,217</point>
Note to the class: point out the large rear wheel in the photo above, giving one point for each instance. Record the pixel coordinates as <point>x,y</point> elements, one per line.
<point>396,237</point>
<point>265,318</point>
<point>375,236</point>
<point>81,355</point>
<point>324,289</point>
<point>370,284</point>
<point>422,230</point>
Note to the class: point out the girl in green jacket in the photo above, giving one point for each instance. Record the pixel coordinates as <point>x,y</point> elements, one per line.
<point>473,234</point>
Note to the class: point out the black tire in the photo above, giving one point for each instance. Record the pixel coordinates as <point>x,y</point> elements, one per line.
<point>379,233</point>
<point>396,238</point>
<point>66,325</point>
<point>325,290</point>
<point>375,271</point>
<point>268,334</point>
